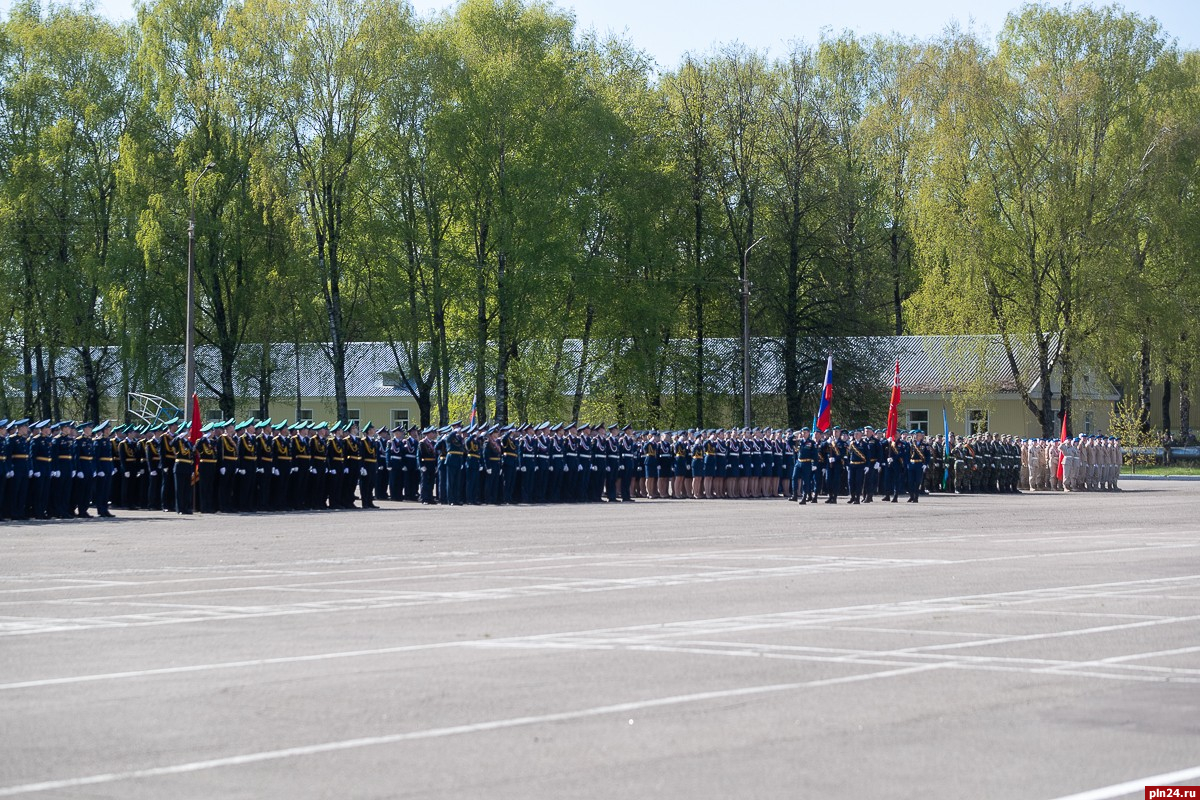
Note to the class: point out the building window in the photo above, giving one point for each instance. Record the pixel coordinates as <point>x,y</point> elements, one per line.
<point>977,422</point>
<point>918,420</point>
<point>306,415</point>
<point>353,415</point>
<point>1089,422</point>
<point>213,415</point>
<point>399,417</point>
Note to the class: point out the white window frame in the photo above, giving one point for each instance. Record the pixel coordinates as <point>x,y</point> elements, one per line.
<point>976,416</point>
<point>353,415</point>
<point>306,415</point>
<point>921,425</point>
<point>400,416</point>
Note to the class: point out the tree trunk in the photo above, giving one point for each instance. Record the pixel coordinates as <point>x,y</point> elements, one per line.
<point>1067,394</point>
<point>1166,406</point>
<point>581,375</point>
<point>92,384</point>
<point>1185,402</point>
<point>265,367</point>
<point>1144,385</point>
<point>895,254</point>
<point>227,401</point>
<point>228,413</point>
<point>502,343</point>
<point>43,397</point>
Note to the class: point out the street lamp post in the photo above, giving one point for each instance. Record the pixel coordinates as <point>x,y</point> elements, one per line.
<point>189,346</point>
<point>746,334</point>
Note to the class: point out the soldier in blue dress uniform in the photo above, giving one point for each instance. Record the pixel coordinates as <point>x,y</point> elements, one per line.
<point>105,469</point>
<point>807,460</point>
<point>17,490</point>
<point>383,465</point>
<point>397,461</point>
<point>918,461</point>
<point>899,467</point>
<point>85,471</point>
<point>40,464</point>
<point>870,445</point>
<point>856,461</point>
<point>833,463</point>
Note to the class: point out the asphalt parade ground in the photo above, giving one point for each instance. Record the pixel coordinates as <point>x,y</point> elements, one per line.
<point>1037,647</point>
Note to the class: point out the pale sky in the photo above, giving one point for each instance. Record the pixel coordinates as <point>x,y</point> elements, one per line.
<point>668,28</point>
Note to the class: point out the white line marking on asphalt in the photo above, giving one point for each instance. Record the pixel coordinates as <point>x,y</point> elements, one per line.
<point>455,730</point>
<point>812,619</point>
<point>1137,787</point>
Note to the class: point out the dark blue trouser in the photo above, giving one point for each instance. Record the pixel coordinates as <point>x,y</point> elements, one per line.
<point>808,480</point>
<point>471,481</point>
<point>509,479</point>
<point>857,474</point>
<point>453,480</point>
<point>916,476</point>
<point>428,479</point>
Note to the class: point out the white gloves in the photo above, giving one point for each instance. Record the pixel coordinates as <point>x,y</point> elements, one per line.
<point>222,471</point>
<point>362,471</point>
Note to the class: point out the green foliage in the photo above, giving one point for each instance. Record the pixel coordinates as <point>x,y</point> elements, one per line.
<point>1126,424</point>
<point>536,221</point>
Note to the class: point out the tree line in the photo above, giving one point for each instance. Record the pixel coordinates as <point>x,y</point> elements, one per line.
<point>521,209</point>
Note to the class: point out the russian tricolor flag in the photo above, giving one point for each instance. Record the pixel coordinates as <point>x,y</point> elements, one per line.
<point>823,421</point>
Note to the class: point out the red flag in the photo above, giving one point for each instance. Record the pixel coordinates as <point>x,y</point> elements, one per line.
<point>194,433</point>
<point>894,406</point>
<point>1062,458</point>
<point>193,437</point>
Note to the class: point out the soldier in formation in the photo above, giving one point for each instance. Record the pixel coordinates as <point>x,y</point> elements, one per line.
<point>1086,463</point>
<point>63,470</point>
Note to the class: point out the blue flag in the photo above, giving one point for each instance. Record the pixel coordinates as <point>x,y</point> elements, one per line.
<point>945,449</point>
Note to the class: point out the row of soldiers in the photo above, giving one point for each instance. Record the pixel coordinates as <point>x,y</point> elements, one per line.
<point>61,470</point>
<point>1088,464</point>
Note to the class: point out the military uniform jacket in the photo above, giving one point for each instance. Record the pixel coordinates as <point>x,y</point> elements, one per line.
<point>319,449</point>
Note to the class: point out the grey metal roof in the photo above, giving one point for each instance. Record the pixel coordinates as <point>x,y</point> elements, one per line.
<point>948,363</point>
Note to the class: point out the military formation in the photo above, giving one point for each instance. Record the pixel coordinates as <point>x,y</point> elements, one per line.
<point>62,470</point>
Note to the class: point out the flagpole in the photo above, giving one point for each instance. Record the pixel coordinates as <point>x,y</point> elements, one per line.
<point>189,345</point>
<point>945,448</point>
